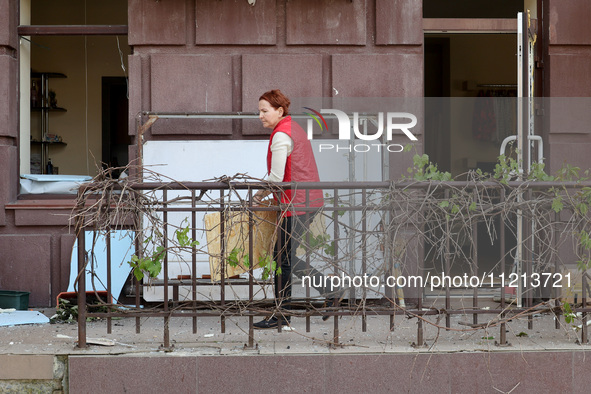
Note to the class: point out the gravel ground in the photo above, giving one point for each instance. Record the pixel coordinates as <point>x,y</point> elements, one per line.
<point>61,338</point>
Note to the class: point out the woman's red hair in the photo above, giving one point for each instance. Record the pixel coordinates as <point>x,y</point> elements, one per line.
<point>277,100</point>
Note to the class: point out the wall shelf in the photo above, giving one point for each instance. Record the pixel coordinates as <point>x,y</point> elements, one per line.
<point>42,104</point>
<point>35,142</point>
<point>50,109</point>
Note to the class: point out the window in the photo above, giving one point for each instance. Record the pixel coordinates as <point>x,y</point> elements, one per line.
<point>76,52</point>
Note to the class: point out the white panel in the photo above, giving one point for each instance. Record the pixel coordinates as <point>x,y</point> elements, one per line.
<point>198,161</point>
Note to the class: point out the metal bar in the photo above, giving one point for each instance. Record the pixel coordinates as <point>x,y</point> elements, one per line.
<point>239,208</point>
<point>243,115</point>
<point>307,248</point>
<point>335,218</point>
<point>389,259</point>
<point>81,287</point>
<point>223,261</point>
<point>194,259</point>
<point>584,339</point>
<point>279,294</point>
<point>447,267</point>
<point>521,45</point>
<point>555,234</point>
<point>503,329</point>
<point>363,260</point>
<point>166,344</point>
<point>475,261</point>
<point>378,185</point>
<point>139,253</point>
<point>377,312</point>
<point>420,333</point>
<point>109,295</point>
<point>250,268</point>
<point>529,258</point>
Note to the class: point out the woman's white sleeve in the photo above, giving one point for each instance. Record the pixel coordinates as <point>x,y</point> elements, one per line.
<point>281,148</point>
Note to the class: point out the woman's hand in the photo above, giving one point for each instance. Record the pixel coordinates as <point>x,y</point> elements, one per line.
<point>258,197</point>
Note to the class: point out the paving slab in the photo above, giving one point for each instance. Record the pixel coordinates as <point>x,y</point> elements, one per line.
<point>377,338</point>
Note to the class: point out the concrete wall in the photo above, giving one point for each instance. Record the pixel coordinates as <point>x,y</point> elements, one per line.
<point>569,59</point>
<point>372,373</point>
<point>33,373</point>
<point>483,372</point>
<point>225,54</point>
<point>8,104</point>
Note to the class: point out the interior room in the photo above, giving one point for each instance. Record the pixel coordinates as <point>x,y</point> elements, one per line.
<point>459,68</point>
<point>77,89</point>
<point>471,79</point>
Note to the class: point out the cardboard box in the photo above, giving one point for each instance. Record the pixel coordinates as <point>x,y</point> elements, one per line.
<point>236,238</point>
<point>570,286</point>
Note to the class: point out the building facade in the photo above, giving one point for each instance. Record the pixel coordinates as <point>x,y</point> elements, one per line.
<point>219,56</point>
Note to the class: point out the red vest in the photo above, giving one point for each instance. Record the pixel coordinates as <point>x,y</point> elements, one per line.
<point>300,167</point>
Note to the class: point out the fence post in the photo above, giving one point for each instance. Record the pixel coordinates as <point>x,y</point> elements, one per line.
<point>81,286</point>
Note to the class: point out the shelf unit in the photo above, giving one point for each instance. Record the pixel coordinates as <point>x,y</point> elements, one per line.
<point>43,105</point>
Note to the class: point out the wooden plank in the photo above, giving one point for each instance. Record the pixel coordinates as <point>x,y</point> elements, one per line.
<point>73,30</point>
<point>469,25</point>
<point>236,238</point>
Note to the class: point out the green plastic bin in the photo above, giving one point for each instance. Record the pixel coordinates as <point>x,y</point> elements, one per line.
<point>14,299</point>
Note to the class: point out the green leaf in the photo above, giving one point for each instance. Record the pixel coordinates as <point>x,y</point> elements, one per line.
<point>582,265</point>
<point>233,257</point>
<point>154,269</point>
<point>557,204</point>
<point>139,274</point>
<point>568,313</point>
<point>329,250</point>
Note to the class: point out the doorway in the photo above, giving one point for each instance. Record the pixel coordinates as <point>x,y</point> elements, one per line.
<point>458,69</point>
<point>467,76</point>
<point>115,136</point>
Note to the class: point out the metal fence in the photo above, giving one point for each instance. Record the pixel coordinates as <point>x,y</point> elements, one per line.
<point>425,234</point>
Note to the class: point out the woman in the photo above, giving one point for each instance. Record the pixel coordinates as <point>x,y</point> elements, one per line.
<point>289,159</point>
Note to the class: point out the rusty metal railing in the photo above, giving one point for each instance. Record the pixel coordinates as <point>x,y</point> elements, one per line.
<point>423,264</point>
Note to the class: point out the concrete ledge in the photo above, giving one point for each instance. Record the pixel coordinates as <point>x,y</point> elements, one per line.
<point>21,367</point>
<point>133,374</point>
<point>428,372</point>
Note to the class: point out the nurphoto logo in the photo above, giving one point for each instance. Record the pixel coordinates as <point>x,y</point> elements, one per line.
<point>402,121</point>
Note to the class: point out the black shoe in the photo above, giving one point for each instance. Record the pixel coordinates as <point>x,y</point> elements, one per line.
<point>327,304</point>
<point>272,322</point>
